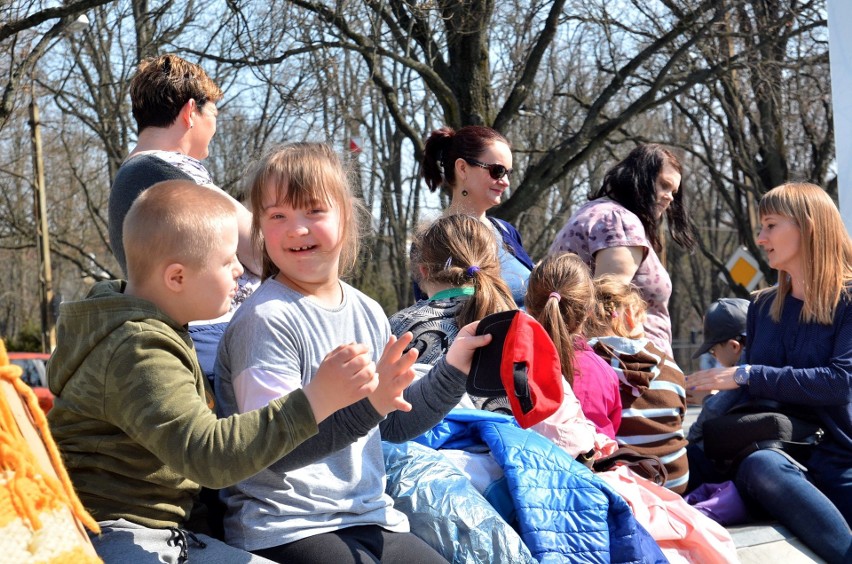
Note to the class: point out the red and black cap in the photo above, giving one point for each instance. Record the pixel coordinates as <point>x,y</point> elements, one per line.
<point>520,363</point>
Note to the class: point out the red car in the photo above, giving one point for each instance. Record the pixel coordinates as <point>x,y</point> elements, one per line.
<point>35,374</point>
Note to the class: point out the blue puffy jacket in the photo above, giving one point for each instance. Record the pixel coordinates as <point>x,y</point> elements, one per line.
<point>564,512</point>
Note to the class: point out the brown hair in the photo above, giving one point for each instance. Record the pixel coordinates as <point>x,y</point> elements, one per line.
<point>303,174</point>
<point>163,85</point>
<point>450,250</point>
<point>826,255</point>
<point>632,183</point>
<point>612,298</point>
<point>569,277</point>
<point>446,145</point>
<point>174,221</point>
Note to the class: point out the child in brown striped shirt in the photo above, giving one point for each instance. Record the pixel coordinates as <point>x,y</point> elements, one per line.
<point>653,395</point>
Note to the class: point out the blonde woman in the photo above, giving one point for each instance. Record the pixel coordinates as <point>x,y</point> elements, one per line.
<point>799,351</point>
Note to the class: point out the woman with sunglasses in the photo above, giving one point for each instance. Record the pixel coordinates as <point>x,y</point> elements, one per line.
<point>472,165</point>
<point>618,231</point>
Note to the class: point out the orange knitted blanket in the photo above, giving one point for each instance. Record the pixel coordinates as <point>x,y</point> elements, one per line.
<point>40,515</point>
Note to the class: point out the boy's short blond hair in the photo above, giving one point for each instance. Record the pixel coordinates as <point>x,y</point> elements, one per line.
<point>176,221</point>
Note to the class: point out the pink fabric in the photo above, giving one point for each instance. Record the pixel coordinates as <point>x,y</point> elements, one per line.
<point>683,533</point>
<point>603,224</point>
<point>596,386</point>
<point>572,431</point>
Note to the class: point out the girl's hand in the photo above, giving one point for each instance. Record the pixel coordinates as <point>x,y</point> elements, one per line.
<point>346,375</point>
<point>460,355</point>
<point>712,379</point>
<point>395,375</point>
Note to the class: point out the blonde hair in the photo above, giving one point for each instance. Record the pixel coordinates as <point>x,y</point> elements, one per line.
<point>304,174</point>
<point>448,249</point>
<point>826,257</point>
<point>175,221</point>
<point>613,297</point>
<point>569,277</point>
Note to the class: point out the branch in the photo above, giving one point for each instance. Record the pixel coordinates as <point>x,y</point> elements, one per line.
<point>70,9</point>
<point>522,88</point>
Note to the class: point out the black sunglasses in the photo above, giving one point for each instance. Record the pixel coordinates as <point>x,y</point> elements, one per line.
<point>497,171</point>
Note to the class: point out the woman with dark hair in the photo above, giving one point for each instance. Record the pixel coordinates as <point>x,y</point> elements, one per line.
<point>618,231</point>
<point>472,165</point>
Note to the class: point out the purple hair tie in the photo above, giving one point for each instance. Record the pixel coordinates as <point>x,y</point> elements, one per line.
<point>555,295</point>
<point>471,271</point>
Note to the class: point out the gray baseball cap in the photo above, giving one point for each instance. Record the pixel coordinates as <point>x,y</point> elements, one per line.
<point>725,319</point>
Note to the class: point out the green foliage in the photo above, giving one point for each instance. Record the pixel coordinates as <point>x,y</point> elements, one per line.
<point>28,339</point>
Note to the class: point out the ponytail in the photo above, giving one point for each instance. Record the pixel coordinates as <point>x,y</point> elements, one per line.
<point>551,319</point>
<point>559,296</point>
<point>446,145</point>
<point>460,250</point>
<point>491,295</point>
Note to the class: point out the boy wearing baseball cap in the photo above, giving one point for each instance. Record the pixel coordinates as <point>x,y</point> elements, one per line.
<point>724,338</point>
<point>725,331</point>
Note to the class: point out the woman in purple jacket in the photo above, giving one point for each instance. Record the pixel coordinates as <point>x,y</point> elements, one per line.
<point>799,351</point>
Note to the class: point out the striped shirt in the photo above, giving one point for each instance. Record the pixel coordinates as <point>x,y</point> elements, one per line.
<point>653,399</point>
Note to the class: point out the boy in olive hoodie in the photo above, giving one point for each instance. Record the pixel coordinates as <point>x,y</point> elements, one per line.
<point>134,414</point>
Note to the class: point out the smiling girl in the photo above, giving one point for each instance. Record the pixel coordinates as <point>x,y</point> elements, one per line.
<point>799,351</point>
<point>325,502</point>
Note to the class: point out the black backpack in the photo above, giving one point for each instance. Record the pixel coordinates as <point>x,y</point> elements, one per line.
<point>761,424</point>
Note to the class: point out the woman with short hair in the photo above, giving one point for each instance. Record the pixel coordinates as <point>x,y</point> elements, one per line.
<point>174,105</point>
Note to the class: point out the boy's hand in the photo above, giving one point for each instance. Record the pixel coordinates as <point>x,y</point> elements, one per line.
<point>395,374</point>
<point>346,375</point>
<point>460,355</point>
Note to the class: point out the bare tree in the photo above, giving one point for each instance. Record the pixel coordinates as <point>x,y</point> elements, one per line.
<point>739,87</point>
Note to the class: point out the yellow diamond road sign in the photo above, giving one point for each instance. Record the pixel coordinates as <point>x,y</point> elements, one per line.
<point>744,269</point>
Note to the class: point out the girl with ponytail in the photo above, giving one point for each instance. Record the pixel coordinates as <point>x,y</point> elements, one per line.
<point>560,295</point>
<point>454,261</point>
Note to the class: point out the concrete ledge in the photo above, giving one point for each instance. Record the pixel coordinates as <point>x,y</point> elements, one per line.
<point>759,543</point>
<point>754,534</point>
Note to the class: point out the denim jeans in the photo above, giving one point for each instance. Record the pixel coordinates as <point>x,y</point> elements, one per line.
<point>206,340</point>
<point>122,541</point>
<point>815,505</point>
